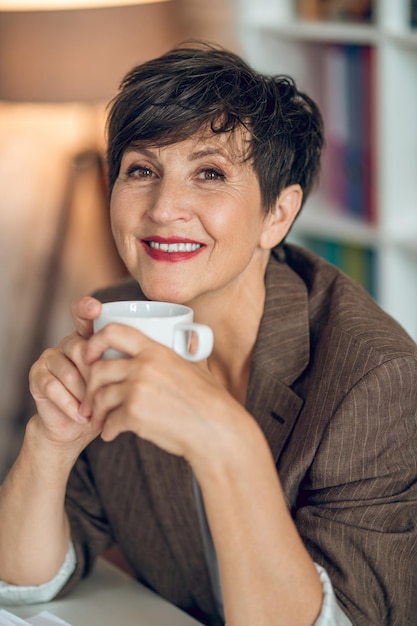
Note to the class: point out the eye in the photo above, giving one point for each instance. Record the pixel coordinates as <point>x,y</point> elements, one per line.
<point>139,171</point>
<point>212,174</point>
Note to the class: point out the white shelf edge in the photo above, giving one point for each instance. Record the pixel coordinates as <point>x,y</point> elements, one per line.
<point>363,34</point>
<point>341,227</point>
<point>402,235</point>
<point>323,31</point>
<point>407,38</point>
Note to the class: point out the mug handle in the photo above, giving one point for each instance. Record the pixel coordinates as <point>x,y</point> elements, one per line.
<point>205,341</point>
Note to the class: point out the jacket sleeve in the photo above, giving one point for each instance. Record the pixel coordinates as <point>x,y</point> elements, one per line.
<point>357,511</point>
<point>90,531</point>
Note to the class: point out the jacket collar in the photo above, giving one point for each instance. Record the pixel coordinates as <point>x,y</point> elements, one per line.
<point>281,354</point>
<point>282,345</point>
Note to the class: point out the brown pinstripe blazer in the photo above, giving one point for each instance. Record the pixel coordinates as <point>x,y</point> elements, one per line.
<point>333,386</point>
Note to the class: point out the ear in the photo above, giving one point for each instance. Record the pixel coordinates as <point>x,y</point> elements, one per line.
<point>279,219</point>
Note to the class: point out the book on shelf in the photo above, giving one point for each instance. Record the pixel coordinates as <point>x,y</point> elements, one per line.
<point>355,260</point>
<point>354,161</point>
<point>336,124</point>
<point>361,11</point>
<point>348,164</point>
<point>413,13</point>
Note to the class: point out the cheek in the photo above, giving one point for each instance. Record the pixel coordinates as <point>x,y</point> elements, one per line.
<point>115,225</point>
<point>235,215</point>
<point>121,216</point>
<point>121,230</point>
<point>240,228</point>
<point>114,210</point>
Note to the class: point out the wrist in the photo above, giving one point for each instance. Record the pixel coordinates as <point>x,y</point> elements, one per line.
<point>45,452</point>
<point>230,443</point>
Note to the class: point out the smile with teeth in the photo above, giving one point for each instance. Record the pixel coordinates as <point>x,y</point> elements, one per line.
<point>174,247</point>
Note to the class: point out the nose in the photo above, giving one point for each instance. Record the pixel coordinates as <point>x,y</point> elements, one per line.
<point>170,203</point>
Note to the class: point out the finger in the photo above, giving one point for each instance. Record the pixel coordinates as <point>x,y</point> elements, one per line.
<point>51,395</point>
<point>54,364</point>
<point>125,339</point>
<point>84,311</point>
<point>102,373</point>
<point>74,348</point>
<point>106,401</point>
<point>114,424</point>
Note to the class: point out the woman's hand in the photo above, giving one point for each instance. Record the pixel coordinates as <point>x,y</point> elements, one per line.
<point>58,382</point>
<point>155,393</point>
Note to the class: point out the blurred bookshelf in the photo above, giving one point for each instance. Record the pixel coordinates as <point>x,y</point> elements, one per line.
<point>413,13</point>
<point>358,60</point>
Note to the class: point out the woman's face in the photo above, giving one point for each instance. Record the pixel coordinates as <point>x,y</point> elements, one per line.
<point>188,219</point>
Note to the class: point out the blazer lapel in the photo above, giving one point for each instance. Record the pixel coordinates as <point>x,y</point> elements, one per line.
<point>281,354</point>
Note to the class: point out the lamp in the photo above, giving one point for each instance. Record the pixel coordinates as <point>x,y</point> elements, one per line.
<point>78,54</point>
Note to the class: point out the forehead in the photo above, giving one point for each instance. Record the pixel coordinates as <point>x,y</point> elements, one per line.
<point>233,146</point>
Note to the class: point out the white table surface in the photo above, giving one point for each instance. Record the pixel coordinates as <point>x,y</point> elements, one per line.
<point>109,597</point>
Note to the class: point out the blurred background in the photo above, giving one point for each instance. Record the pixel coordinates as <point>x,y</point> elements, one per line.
<point>58,70</point>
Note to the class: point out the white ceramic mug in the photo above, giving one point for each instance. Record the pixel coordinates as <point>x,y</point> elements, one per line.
<point>165,322</point>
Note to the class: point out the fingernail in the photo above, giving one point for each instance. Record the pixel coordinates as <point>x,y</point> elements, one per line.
<point>82,409</point>
<point>90,305</point>
<point>83,419</point>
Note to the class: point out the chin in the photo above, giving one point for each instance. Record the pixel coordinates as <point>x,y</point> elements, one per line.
<point>177,296</point>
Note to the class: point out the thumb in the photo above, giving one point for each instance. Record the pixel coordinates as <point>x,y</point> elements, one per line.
<point>83,312</point>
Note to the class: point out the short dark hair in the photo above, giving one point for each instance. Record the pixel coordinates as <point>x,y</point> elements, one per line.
<point>172,97</point>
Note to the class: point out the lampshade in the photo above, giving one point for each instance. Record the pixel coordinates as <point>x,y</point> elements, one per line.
<point>56,5</point>
<point>79,55</point>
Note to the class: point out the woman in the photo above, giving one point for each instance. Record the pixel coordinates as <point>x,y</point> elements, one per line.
<point>274,483</point>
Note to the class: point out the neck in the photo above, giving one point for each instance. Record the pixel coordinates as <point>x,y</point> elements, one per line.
<point>235,323</point>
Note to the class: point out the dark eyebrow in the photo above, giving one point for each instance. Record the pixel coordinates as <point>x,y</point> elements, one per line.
<point>209,151</point>
<point>137,147</point>
<point>194,156</point>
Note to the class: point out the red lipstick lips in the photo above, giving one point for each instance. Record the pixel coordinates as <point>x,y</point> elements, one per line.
<point>172,249</point>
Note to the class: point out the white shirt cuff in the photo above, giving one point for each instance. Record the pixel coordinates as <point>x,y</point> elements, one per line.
<point>331,614</point>
<point>33,594</point>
